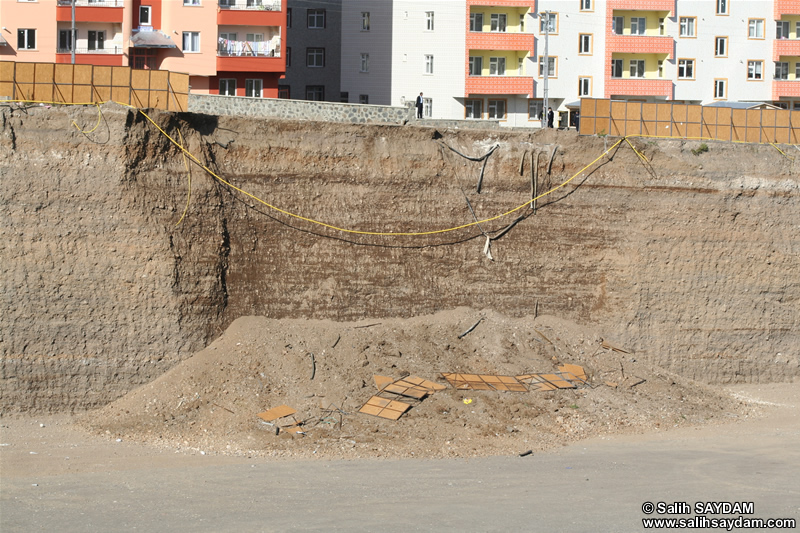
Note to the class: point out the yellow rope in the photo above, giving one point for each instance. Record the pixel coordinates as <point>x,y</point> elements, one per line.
<point>641,155</point>
<point>189,174</point>
<point>99,118</point>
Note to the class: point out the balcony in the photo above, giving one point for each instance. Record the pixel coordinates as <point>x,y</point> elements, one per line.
<point>498,85</point>
<point>785,47</point>
<point>484,40</point>
<point>244,56</point>
<point>251,13</point>
<point>111,56</point>
<point>640,44</point>
<point>639,87</point>
<point>638,5</point>
<point>786,7</point>
<point>785,89</point>
<point>90,11</point>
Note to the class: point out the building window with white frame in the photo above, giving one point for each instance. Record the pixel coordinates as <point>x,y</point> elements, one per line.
<point>618,25</point>
<point>364,63</point>
<point>26,39</point>
<point>473,109</point>
<point>191,41</point>
<point>584,86</point>
<point>365,21</point>
<point>548,22</point>
<point>497,66</point>
<point>586,5</point>
<point>427,107</point>
<point>755,70</point>
<point>315,57</point>
<point>315,93</point>
<point>522,23</point>
<point>476,22</point>
<point>636,68</point>
<point>797,30</point>
<point>755,29</point>
<point>616,68</point>
<point>782,29</point>
<point>253,88</point>
<point>721,47</point>
<point>535,107</point>
<point>551,67</point>
<point>428,63</point>
<point>686,69</point>
<point>722,7</point>
<point>585,43</point>
<point>429,20</point>
<point>475,65</point>
<point>797,70</point>
<point>144,16</point>
<point>497,109</point>
<point>687,25</point>
<point>781,70</point>
<point>720,89</point>
<point>96,40</point>
<point>191,2</point>
<point>227,87</point>
<point>315,19</point>
<point>638,25</point>
<point>498,22</point>
<point>66,40</point>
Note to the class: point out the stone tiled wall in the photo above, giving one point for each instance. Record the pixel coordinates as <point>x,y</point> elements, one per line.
<point>299,110</point>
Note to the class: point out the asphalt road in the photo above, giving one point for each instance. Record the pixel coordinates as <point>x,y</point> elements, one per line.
<point>597,485</point>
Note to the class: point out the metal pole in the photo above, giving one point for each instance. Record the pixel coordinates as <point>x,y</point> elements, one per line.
<point>546,68</point>
<point>73,35</point>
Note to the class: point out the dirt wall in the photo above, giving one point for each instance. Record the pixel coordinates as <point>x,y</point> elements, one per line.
<point>690,259</point>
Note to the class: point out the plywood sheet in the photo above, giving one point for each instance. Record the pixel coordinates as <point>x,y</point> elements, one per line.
<point>44,72</point>
<point>633,127</point>
<point>587,126</point>
<point>82,94</point>
<point>179,82</point>
<point>101,94</point>
<point>694,113</point>
<point>383,408</point>
<point>782,135</point>
<point>158,99</point>
<point>603,125</point>
<point>82,74</point>
<point>753,135</point>
<point>140,79</point>
<point>7,71</point>
<point>120,76</point>
<point>24,91</point>
<point>7,89</point>
<point>25,73</point>
<point>694,130</point>
<point>617,127</point>
<point>649,112</point>
<point>664,112</point>
<point>485,382</point>
<point>602,108</point>
<point>679,113</point>
<point>649,128</point>
<point>575,370</point>
<point>63,74</point>
<point>753,117</point>
<point>101,76</point>
<point>43,92</point>
<point>140,98</point>
<point>782,119</point>
<point>382,381</point>
<point>276,413</point>
<point>121,94</point>
<point>159,80</point>
<point>768,118</point>
<point>633,111</point>
<point>179,102</point>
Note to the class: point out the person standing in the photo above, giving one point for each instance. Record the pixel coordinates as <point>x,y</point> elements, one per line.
<point>419,106</point>
<point>550,117</point>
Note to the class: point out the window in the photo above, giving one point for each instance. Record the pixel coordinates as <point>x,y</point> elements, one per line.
<point>636,68</point>
<point>535,109</point>
<point>191,41</point>
<point>66,40</point>
<point>551,67</point>
<point>522,23</point>
<point>363,98</point>
<point>584,86</point>
<point>720,89</point>
<point>520,66</point>
<point>288,56</point>
<point>722,7</point>
<point>782,70</point>
<point>797,71</point>
<point>365,21</point>
<point>497,109</point>
<point>473,109</point>
<point>586,5</point>
<point>227,87</point>
<point>144,16</point>
<point>755,29</point>
<point>364,63</point>
<point>661,28</point>
<point>253,88</point>
<point>475,66</point>
<point>686,69</point>
<point>660,68</point>
<point>721,47</point>
<point>585,43</point>
<point>428,64</point>
<point>497,22</point>
<point>687,26</point>
<point>616,68</point>
<point>315,18</point>
<point>315,57</point>
<point>618,25</point>
<point>638,25</point>
<point>344,97</point>
<point>429,20</point>
<point>96,40</point>
<point>755,70</point>
<point>284,92</point>
<point>427,107</point>
<point>288,20</point>
<point>191,2</point>
<point>782,29</point>
<point>26,39</point>
<point>549,23</point>
<point>497,66</point>
<point>315,93</point>
<point>476,22</point>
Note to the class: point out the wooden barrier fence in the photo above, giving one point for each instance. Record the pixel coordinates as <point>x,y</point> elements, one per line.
<point>684,121</point>
<point>84,84</point>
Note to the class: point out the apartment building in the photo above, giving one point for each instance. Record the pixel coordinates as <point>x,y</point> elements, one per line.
<point>313,53</point>
<point>485,59</point>
<point>231,47</point>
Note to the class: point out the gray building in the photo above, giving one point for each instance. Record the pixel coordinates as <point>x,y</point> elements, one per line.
<point>313,60</point>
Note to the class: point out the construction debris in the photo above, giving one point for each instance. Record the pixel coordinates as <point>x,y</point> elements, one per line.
<point>388,406</point>
<point>484,382</point>
<point>384,408</point>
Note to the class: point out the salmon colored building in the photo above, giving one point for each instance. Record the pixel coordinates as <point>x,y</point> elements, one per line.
<point>231,47</point>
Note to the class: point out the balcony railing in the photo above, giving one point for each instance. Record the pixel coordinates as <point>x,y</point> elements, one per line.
<point>110,50</point>
<point>93,3</point>
<point>250,5</point>
<point>248,53</point>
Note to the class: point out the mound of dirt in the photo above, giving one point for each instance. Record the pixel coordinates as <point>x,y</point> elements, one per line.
<point>210,401</point>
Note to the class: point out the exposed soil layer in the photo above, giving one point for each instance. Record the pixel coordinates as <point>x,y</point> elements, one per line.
<point>688,260</point>
<point>210,401</point>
